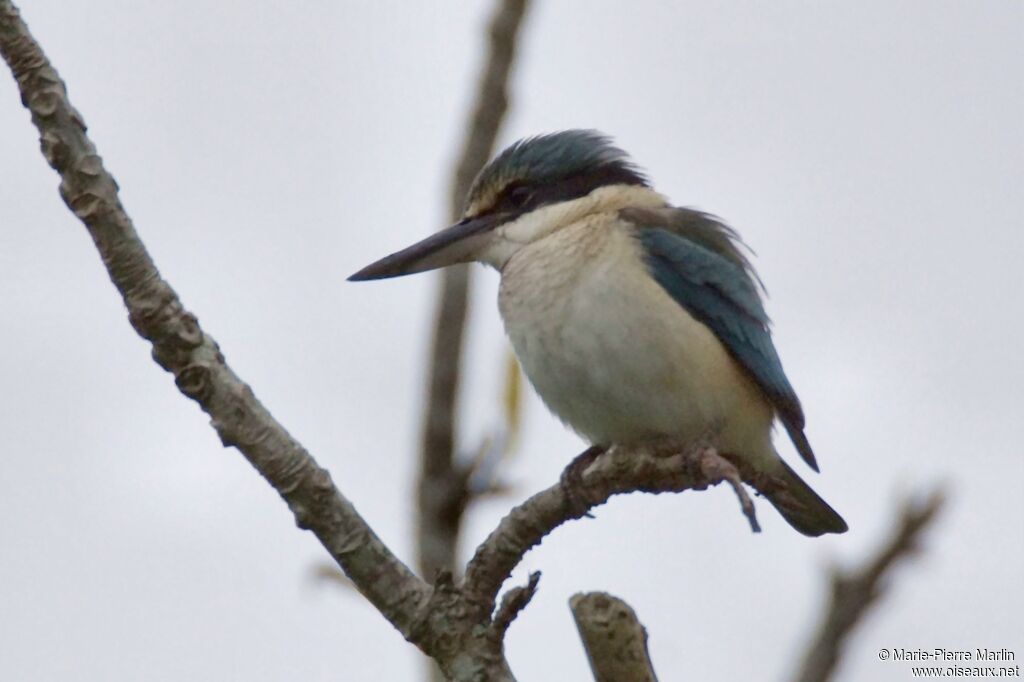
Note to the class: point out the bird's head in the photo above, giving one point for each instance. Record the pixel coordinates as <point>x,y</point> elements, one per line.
<point>528,191</point>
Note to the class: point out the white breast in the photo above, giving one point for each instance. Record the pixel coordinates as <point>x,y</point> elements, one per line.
<point>612,354</point>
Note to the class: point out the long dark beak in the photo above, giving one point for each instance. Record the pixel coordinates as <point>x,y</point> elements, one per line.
<point>456,244</point>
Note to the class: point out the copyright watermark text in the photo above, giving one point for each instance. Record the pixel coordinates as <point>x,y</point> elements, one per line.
<point>979,662</point>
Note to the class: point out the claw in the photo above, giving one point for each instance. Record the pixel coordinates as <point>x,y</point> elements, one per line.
<point>572,480</point>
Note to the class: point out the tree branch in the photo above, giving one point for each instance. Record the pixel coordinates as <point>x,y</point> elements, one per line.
<point>620,470</point>
<point>614,638</point>
<point>452,623</point>
<point>854,592</point>
<point>443,486</point>
<point>181,347</point>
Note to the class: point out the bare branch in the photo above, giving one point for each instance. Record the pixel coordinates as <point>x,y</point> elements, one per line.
<point>453,623</point>
<point>443,491</point>
<point>855,592</point>
<point>619,470</point>
<point>181,347</point>
<point>512,603</point>
<point>615,640</point>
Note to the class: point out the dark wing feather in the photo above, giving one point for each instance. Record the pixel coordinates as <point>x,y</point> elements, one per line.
<point>696,260</point>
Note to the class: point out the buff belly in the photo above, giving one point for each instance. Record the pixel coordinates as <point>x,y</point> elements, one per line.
<point>614,356</point>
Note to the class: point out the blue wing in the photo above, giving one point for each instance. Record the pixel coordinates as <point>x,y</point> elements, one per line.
<point>694,258</point>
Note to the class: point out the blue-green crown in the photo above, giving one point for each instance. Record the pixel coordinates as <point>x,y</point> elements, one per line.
<point>554,158</point>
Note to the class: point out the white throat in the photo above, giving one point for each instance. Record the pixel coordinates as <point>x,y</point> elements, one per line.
<point>537,224</point>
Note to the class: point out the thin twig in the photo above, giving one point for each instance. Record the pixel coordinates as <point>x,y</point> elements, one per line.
<point>854,592</point>
<point>614,638</point>
<point>181,347</point>
<point>443,492</point>
<point>512,603</point>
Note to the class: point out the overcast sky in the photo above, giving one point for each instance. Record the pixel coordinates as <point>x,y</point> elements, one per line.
<point>872,154</point>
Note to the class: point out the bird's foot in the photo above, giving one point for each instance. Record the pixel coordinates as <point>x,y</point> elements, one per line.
<point>717,468</point>
<point>571,481</point>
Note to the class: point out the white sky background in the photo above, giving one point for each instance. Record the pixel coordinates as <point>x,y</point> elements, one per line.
<point>871,153</point>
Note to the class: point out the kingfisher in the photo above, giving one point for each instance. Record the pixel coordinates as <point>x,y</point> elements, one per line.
<point>635,320</point>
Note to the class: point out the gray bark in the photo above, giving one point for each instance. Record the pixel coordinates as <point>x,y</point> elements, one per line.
<point>614,638</point>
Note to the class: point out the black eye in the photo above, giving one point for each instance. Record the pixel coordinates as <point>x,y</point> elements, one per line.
<point>519,196</point>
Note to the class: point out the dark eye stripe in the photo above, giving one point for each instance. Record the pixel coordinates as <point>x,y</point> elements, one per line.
<point>519,197</point>
<point>582,184</point>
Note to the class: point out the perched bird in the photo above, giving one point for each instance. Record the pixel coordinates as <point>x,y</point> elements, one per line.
<point>634,320</point>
